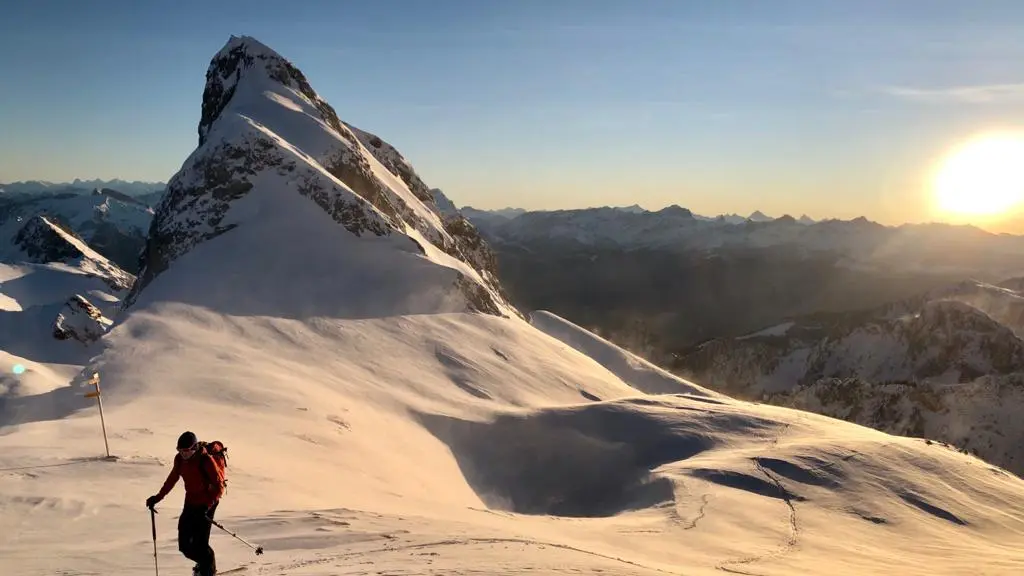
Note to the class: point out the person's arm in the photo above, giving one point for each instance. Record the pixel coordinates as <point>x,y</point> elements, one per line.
<point>172,479</point>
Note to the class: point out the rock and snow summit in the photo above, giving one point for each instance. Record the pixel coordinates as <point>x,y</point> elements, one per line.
<point>296,198</point>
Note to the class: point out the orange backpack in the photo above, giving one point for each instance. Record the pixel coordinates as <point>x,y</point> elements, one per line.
<point>218,453</point>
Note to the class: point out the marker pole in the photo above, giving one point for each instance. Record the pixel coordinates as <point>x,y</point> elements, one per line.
<point>95,381</point>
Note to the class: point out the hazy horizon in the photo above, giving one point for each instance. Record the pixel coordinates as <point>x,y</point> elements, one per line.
<point>798,107</point>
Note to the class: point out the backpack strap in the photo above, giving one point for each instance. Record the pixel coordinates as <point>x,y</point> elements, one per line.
<point>204,458</point>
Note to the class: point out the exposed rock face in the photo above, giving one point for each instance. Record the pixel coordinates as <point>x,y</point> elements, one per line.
<point>980,417</point>
<point>42,243</point>
<point>942,339</point>
<point>111,223</point>
<point>933,366</point>
<point>80,320</point>
<point>247,141</point>
<point>44,240</point>
<point>457,237</point>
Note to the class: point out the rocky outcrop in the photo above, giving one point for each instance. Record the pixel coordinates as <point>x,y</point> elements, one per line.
<point>979,417</point>
<point>109,222</point>
<point>945,339</point>
<point>933,366</point>
<point>80,320</point>
<point>45,240</point>
<point>41,241</point>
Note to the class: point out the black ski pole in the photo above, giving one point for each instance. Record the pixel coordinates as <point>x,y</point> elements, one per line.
<point>152,521</point>
<point>258,549</point>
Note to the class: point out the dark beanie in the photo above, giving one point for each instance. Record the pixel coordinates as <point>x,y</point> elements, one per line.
<point>186,440</point>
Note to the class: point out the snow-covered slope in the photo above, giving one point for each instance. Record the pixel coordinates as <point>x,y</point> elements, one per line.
<point>631,368</point>
<point>370,434</point>
<point>461,444</point>
<point>60,289</point>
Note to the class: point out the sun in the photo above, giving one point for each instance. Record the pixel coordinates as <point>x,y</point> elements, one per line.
<point>984,177</point>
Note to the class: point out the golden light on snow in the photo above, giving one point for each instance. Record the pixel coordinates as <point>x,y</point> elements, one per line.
<point>983,177</point>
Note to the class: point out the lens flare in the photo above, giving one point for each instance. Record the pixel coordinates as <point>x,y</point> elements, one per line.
<point>19,369</point>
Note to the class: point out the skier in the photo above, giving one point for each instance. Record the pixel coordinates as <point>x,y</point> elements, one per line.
<point>204,488</point>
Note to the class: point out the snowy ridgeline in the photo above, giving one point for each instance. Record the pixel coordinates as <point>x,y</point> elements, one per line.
<point>385,412</point>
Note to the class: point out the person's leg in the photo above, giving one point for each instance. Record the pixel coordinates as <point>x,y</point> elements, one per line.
<point>203,550</point>
<point>186,533</point>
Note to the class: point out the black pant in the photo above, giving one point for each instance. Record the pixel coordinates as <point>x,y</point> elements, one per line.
<point>194,537</point>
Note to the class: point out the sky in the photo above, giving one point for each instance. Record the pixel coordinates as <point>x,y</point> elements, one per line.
<point>831,109</point>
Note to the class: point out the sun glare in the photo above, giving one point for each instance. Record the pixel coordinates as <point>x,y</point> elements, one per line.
<point>983,177</point>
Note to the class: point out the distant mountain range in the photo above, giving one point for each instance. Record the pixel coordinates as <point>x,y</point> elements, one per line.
<point>111,222</point>
<point>133,188</point>
<point>504,214</point>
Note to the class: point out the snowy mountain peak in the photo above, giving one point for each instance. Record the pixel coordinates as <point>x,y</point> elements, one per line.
<point>242,59</point>
<point>44,240</point>
<point>443,203</point>
<point>295,187</point>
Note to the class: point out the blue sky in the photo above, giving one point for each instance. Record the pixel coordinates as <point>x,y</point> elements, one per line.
<point>834,109</point>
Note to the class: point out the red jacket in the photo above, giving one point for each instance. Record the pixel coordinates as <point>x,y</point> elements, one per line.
<point>201,486</point>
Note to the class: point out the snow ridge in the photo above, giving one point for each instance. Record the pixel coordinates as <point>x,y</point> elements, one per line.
<point>42,240</point>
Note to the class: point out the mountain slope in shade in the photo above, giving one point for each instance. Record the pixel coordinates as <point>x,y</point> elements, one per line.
<point>44,240</point>
<point>935,366</point>
<point>268,140</point>
<point>944,334</point>
<point>981,416</point>
<point>57,289</point>
<point>109,221</point>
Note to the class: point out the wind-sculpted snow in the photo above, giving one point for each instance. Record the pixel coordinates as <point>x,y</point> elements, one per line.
<point>462,444</point>
<point>644,375</point>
